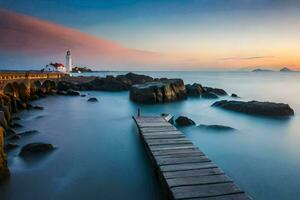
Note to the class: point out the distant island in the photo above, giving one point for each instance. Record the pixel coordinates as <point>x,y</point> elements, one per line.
<point>284,69</point>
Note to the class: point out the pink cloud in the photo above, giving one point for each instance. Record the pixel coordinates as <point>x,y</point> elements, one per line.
<point>29,36</point>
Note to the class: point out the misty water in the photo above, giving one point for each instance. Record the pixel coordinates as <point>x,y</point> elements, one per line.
<point>99,154</point>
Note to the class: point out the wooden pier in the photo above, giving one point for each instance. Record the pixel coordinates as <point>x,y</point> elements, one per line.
<point>184,171</point>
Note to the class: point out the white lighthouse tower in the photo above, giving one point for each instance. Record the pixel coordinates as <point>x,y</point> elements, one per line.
<point>68,62</point>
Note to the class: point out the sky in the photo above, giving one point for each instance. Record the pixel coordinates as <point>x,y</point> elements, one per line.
<point>151,34</point>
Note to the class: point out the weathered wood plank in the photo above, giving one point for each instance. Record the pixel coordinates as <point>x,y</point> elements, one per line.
<point>210,190</point>
<point>163,136</point>
<point>192,173</point>
<point>240,196</point>
<point>187,166</point>
<point>194,154</point>
<point>197,180</point>
<point>181,160</point>
<point>158,129</point>
<point>169,147</point>
<point>170,142</point>
<point>175,151</point>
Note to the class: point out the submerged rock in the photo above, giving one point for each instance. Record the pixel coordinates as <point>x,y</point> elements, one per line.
<point>209,95</point>
<point>34,148</point>
<point>83,95</point>
<point>216,127</point>
<point>15,137</point>
<point>16,125</point>
<point>10,146</point>
<point>71,92</point>
<point>28,132</point>
<point>158,92</point>
<point>38,107</point>
<point>257,108</point>
<point>234,95</point>
<point>184,121</point>
<point>93,99</point>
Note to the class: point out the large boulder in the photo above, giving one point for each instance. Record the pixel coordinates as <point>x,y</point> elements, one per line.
<point>106,84</point>
<point>34,148</point>
<point>184,121</point>
<point>158,92</point>
<point>257,108</point>
<point>4,172</point>
<point>194,90</point>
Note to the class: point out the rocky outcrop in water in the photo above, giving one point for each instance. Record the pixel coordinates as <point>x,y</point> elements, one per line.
<point>158,92</point>
<point>257,108</point>
<point>194,90</point>
<point>216,127</point>
<point>184,121</point>
<point>93,99</point>
<point>217,91</point>
<point>34,148</point>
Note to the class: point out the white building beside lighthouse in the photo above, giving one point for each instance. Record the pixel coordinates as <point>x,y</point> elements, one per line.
<point>68,62</point>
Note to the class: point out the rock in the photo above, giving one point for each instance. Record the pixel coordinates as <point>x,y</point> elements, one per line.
<point>34,148</point>
<point>209,95</point>
<point>194,90</point>
<point>3,121</point>
<point>83,95</point>
<point>217,127</point>
<point>71,92</point>
<point>10,131</point>
<point>4,172</point>
<point>38,107</point>
<point>64,86</point>
<point>234,95</point>
<point>10,146</point>
<point>15,137</point>
<point>132,78</point>
<point>61,92</point>
<point>216,91</point>
<point>158,92</point>
<point>33,97</point>
<point>93,99</point>
<point>16,125</point>
<point>16,118</point>
<point>184,121</point>
<point>257,108</point>
<point>107,84</point>
<point>28,132</point>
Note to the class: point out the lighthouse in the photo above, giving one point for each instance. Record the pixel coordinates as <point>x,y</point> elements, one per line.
<point>68,62</point>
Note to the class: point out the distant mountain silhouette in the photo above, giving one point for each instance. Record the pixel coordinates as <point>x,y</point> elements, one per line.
<point>285,69</point>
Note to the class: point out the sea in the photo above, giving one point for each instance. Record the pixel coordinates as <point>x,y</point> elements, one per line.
<point>99,154</point>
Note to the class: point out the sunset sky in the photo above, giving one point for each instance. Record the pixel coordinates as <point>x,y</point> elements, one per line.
<point>145,35</point>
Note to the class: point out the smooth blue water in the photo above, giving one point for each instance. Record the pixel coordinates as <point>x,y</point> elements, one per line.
<point>100,156</point>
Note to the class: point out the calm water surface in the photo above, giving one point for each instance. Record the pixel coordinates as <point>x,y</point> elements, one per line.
<point>100,156</point>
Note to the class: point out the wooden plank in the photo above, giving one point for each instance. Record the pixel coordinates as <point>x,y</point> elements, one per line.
<point>175,151</point>
<point>210,190</point>
<point>197,153</point>
<point>181,160</point>
<point>169,147</point>
<point>187,166</point>
<point>197,180</point>
<point>192,173</point>
<point>240,196</point>
<point>162,133</point>
<point>158,129</point>
<point>163,136</point>
<point>169,142</point>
